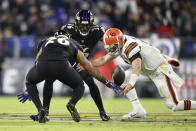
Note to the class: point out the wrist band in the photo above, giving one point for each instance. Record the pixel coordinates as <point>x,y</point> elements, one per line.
<point>133,79</point>
<point>103,80</point>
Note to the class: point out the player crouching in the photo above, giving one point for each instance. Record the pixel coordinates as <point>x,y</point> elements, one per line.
<point>147,59</point>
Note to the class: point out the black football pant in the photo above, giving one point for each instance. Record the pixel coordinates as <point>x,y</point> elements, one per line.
<point>52,70</point>
<point>94,91</point>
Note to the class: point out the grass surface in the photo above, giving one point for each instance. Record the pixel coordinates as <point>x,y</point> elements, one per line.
<point>14,116</point>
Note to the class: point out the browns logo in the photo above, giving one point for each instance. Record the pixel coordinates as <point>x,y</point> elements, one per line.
<point>112,34</point>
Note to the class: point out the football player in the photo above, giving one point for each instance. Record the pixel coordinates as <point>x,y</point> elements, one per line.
<point>52,62</point>
<point>148,59</point>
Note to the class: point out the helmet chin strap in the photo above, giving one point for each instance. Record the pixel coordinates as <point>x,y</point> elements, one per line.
<point>83,34</point>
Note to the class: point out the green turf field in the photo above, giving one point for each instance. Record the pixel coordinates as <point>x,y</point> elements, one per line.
<point>14,116</point>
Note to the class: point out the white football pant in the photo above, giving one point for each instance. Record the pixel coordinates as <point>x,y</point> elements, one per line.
<point>166,81</point>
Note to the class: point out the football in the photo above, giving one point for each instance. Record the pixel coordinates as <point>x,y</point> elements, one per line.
<point>118,75</point>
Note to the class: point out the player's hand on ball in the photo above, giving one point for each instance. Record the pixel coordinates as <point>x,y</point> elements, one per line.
<point>117,89</point>
<point>126,88</point>
<point>79,67</point>
<point>23,97</point>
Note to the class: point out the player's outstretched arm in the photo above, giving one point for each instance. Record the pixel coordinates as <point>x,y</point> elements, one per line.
<point>88,67</point>
<point>102,60</point>
<point>95,73</point>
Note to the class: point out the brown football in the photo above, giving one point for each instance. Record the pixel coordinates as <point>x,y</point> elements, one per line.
<point>118,75</point>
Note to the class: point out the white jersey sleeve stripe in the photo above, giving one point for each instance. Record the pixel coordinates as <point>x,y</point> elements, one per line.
<point>130,48</point>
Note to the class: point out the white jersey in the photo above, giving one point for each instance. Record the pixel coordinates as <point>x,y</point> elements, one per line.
<point>162,75</point>
<point>151,56</point>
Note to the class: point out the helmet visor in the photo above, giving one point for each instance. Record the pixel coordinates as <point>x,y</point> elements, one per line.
<point>84,28</point>
<point>113,48</point>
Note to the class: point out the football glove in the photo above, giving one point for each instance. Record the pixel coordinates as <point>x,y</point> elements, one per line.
<point>23,97</point>
<point>114,87</point>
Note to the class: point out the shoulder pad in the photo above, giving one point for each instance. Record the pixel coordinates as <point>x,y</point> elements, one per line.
<point>68,26</point>
<point>132,49</point>
<point>39,45</point>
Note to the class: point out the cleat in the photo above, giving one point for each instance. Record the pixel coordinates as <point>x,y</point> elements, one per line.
<point>172,61</point>
<point>73,111</point>
<point>42,115</point>
<point>104,116</point>
<point>133,114</point>
<point>35,117</point>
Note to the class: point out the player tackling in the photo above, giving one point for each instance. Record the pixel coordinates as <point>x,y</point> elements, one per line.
<point>147,59</point>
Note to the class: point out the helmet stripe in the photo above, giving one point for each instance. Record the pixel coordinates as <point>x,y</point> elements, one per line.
<point>86,15</point>
<point>83,15</point>
<point>130,48</point>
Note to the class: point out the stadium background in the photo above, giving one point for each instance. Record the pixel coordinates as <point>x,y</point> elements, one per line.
<point>167,24</point>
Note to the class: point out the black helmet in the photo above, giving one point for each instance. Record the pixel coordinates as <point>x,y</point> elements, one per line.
<point>62,33</point>
<point>84,19</point>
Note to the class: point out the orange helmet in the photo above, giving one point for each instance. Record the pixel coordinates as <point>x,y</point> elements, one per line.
<point>113,37</point>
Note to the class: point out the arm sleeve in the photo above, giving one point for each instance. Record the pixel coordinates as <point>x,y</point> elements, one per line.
<point>137,55</point>
<point>132,49</point>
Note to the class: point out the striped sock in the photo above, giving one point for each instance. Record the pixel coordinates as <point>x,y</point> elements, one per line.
<point>187,104</point>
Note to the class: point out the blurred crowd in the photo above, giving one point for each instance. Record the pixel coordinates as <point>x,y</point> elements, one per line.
<point>23,21</point>
<point>140,18</point>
